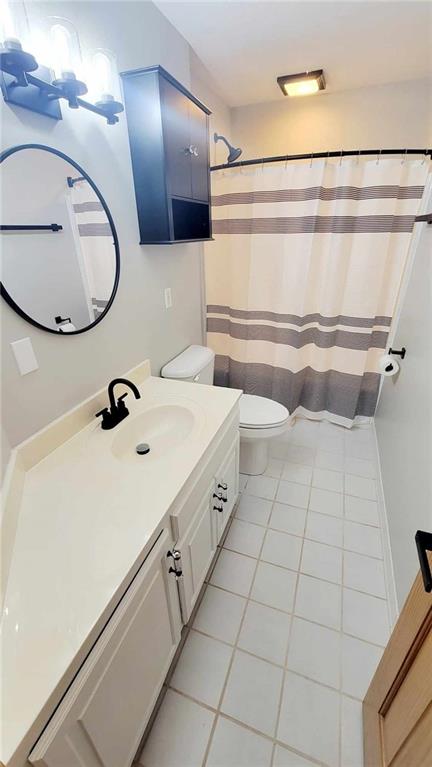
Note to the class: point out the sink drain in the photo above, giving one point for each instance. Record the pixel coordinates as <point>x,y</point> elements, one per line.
<point>143,448</point>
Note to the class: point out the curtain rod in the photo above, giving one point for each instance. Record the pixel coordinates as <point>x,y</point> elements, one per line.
<point>322,155</point>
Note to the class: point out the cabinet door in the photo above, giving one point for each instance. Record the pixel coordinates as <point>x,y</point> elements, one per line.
<point>199,158</point>
<point>177,142</point>
<point>197,548</point>
<point>227,477</point>
<point>103,715</point>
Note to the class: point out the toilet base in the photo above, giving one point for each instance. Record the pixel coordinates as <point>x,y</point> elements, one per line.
<point>254,456</point>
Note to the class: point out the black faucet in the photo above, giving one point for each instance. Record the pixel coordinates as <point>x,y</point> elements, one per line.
<point>117,411</point>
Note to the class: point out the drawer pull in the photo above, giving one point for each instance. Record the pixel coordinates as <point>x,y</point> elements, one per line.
<point>175,554</point>
<point>178,573</point>
<point>219,508</point>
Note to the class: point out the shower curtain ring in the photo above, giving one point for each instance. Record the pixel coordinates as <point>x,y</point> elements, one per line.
<point>311,158</point>
<point>286,161</point>
<point>404,157</point>
<point>378,157</point>
<point>340,158</point>
<point>358,157</point>
<point>262,165</point>
<point>327,158</point>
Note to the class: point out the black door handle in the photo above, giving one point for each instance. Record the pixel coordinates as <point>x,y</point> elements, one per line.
<point>424,544</point>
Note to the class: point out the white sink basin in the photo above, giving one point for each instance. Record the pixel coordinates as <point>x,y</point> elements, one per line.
<point>162,427</point>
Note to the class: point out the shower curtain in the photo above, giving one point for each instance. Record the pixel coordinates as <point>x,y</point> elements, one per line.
<point>97,251</point>
<point>303,276</point>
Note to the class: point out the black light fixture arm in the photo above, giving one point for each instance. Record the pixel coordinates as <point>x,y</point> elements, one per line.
<point>55,92</point>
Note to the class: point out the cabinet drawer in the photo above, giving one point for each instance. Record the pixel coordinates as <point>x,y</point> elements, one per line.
<point>102,717</point>
<point>185,507</point>
<point>226,477</point>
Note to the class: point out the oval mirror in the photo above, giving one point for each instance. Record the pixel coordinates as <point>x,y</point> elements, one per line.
<point>60,252</point>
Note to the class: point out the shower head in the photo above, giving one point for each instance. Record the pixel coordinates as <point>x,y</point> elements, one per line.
<point>233,153</point>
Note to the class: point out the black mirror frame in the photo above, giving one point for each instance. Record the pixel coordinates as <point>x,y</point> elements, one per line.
<point>3,292</point>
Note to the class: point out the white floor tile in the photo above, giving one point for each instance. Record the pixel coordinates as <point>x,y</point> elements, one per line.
<point>364,451</point>
<point>202,668</point>
<point>283,757</point>
<point>181,727</point>
<point>326,502</point>
<point>234,572</point>
<point>293,493</point>
<point>274,468</point>
<point>309,719</point>
<point>324,529</point>
<point>279,448</point>
<point>235,746</point>
<point>359,662</point>
<point>296,472</point>
<point>243,478</point>
<point>360,467</point>
<point>298,454</point>
<point>329,460</point>
<point>252,692</point>
<point>314,651</point>
<point>351,733</point>
<point>289,519</point>
<point>265,632</point>
<point>262,487</point>
<point>360,487</point>
<point>282,549</point>
<point>220,614</point>
<point>318,601</point>
<point>255,510</point>
<point>365,617</point>
<point>321,561</point>
<point>361,510</point>
<point>244,538</point>
<point>364,574</point>
<point>328,480</point>
<point>274,586</point>
<point>363,539</point>
<point>331,443</point>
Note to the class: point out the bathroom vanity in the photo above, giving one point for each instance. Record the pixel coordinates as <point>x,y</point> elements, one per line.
<point>110,552</point>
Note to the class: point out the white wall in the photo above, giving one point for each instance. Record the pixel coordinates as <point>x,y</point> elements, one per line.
<point>393,116</point>
<point>137,326</point>
<point>404,421</point>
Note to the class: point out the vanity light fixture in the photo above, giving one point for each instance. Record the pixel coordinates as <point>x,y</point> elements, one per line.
<point>42,94</point>
<point>302,84</point>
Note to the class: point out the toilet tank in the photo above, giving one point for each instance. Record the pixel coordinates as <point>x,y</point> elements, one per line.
<point>195,364</point>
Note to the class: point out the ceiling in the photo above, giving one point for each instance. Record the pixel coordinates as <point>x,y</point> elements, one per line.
<point>246,45</point>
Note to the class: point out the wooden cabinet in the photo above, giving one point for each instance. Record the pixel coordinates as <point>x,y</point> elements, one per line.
<point>103,715</point>
<point>168,136</point>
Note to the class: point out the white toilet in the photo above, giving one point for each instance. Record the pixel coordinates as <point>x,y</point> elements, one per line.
<point>261,418</point>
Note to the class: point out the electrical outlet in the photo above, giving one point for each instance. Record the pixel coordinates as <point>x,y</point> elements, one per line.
<point>168,298</point>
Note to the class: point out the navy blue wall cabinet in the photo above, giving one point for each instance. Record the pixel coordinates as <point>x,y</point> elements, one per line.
<point>168,137</point>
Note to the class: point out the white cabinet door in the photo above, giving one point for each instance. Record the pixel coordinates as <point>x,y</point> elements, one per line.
<point>226,486</point>
<point>197,548</point>
<point>103,715</point>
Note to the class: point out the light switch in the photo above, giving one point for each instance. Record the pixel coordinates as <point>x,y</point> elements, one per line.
<point>24,355</point>
<point>168,298</point>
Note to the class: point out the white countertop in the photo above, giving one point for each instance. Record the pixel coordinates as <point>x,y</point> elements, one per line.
<point>85,518</point>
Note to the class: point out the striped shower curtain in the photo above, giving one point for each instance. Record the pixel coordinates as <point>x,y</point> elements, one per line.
<point>96,243</point>
<point>303,276</point>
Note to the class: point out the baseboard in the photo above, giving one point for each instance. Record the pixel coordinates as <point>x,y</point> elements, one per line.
<point>385,535</point>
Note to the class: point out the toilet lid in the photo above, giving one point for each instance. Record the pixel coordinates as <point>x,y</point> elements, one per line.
<point>261,412</point>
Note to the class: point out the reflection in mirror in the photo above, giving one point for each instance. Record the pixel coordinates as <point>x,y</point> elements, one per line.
<point>62,278</point>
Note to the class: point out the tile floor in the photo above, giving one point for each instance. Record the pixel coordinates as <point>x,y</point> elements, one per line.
<point>293,620</point>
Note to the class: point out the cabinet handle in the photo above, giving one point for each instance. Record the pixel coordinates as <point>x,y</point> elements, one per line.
<point>218,508</point>
<point>178,573</point>
<point>195,151</point>
<point>189,149</point>
<point>223,485</point>
<point>219,496</point>
<point>175,554</point>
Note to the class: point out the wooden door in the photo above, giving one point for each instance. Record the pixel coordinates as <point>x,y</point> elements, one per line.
<point>397,710</point>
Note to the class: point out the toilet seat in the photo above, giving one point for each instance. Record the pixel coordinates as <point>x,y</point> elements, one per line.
<point>261,413</point>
